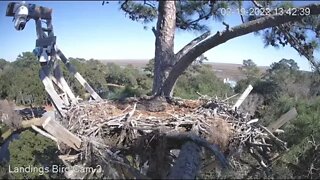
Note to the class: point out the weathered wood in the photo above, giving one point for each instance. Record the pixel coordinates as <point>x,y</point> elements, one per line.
<point>61,133</point>
<point>115,85</point>
<point>230,97</point>
<point>68,157</point>
<point>243,97</point>
<point>47,82</point>
<point>65,87</point>
<point>188,162</point>
<point>33,121</point>
<point>283,120</point>
<point>77,75</point>
<point>43,133</point>
<point>174,138</point>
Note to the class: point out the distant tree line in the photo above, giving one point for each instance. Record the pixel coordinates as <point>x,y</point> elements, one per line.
<point>20,82</point>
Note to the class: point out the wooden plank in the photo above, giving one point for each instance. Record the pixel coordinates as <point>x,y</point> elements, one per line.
<point>242,97</point>
<point>85,84</point>
<point>43,133</point>
<point>77,75</point>
<point>47,82</point>
<point>65,87</point>
<point>283,120</point>
<point>61,133</point>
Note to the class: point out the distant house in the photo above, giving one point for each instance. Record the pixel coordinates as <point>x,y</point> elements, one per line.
<point>231,83</point>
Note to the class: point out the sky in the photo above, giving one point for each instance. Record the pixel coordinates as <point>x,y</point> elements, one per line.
<point>86,29</point>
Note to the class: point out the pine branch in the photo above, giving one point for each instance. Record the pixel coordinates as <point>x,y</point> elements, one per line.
<point>137,11</point>
<point>185,23</point>
<point>146,2</point>
<point>294,42</point>
<point>258,5</point>
<point>224,36</point>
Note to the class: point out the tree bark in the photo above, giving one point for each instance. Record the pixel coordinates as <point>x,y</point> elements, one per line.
<point>164,45</point>
<point>221,37</point>
<point>188,162</point>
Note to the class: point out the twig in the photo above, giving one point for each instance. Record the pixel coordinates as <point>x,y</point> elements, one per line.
<point>280,143</point>
<point>231,97</point>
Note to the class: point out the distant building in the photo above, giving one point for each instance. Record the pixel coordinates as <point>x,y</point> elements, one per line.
<point>231,83</point>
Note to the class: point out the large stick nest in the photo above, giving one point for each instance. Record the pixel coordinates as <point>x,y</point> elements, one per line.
<point>142,139</point>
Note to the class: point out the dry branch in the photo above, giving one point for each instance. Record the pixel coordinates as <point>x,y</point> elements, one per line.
<point>115,85</point>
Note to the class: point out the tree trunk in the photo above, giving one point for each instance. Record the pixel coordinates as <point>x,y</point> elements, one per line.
<point>164,45</point>
<point>188,162</point>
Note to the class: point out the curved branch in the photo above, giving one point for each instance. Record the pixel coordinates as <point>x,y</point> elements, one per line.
<point>191,44</point>
<point>214,149</point>
<point>145,2</point>
<point>222,37</point>
<point>188,162</point>
<point>140,12</point>
<point>258,5</point>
